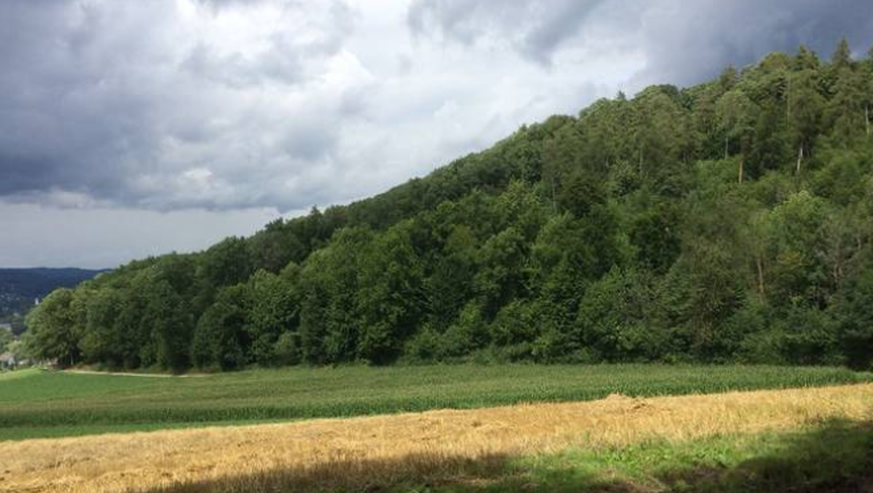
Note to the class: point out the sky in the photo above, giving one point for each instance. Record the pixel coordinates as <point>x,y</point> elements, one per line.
<point>130,129</point>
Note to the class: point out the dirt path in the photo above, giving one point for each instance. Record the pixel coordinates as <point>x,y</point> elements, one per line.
<point>350,454</point>
<point>147,375</point>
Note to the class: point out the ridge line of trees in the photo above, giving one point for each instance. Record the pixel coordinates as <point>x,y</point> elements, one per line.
<point>728,221</point>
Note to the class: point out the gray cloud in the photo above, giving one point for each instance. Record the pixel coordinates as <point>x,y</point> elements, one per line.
<point>80,235</point>
<point>683,42</point>
<point>685,45</point>
<point>534,28</point>
<point>121,100</point>
<point>244,104</point>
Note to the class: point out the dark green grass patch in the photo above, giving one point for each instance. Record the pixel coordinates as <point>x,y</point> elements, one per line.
<point>833,457</point>
<point>43,404</point>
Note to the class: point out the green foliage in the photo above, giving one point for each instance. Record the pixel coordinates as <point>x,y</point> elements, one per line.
<point>390,297</point>
<point>329,320</point>
<point>220,339</point>
<point>272,312</point>
<point>722,222</point>
<point>5,340</point>
<point>615,321</point>
<point>853,311</point>
<point>51,329</point>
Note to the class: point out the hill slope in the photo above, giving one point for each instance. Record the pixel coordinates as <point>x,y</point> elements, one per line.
<point>19,288</point>
<point>726,221</point>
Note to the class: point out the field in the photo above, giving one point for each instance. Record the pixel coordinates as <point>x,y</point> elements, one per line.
<point>811,439</point>
<point>37,404</point>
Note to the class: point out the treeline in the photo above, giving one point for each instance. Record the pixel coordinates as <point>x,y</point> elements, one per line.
<point>730,221</point>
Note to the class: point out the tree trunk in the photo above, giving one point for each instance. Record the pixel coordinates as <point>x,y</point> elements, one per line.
<point>726,144</point>
<point>788,101</point>
<point>799,158</point>
<point>759,263</point>
<point>741,169</point>
<point>641,163</point>
<point>867,118</point>
<point>554,198</point>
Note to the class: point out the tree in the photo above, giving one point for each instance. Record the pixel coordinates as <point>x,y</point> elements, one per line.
<point>800,274</point>
<point>581,193</point>
<point>853,310</point>
<point>769,150</point>
<point>514,329</point>
<point>225,264</point>
<point>273,247</point>
<point>706,283</point>
<point>663,139</point>
<point>103,340</point>
<point>847,112</point>
<point>450,284</point>
<point>728,78</point>
<point>560,157</point>
<point>500,275</point>
<point>619,320</point>
<point>655,234</point>
<point>806,59</point>
<point>172,323</point>
<point>220,339</point>
<point>5,340</point>
<point>736,114</point>
<point>272,310</point>
<point>51,329</point>
<point>805,106</point>
<point>868,99</point>
<point>390,295</point>
<point>842,57</point>
<point>329,322</point>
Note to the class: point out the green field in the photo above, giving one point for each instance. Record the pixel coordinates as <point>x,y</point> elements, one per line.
<point>47,404</point>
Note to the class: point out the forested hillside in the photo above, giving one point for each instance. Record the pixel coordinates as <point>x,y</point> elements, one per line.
<point>730,221</point>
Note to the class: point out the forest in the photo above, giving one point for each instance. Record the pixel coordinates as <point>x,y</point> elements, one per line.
<point>726,222</point>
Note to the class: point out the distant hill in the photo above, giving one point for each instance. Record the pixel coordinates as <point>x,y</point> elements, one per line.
<point>20,287</point>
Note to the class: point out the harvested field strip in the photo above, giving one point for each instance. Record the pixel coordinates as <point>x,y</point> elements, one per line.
<point>388,450</point>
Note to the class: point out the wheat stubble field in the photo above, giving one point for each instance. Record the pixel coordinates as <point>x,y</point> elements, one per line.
<point>381,452</point>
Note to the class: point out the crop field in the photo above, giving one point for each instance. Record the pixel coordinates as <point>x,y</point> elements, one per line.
<point>765,440</point>
<point>37,404</point>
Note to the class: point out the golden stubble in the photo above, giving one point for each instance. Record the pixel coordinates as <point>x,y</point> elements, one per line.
<point>386,450</point>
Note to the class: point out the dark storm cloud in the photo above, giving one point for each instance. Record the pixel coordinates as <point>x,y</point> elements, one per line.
<point>124,103</point>
<point>683,42</point>
<point>688,43</point>
<point>75,104</point>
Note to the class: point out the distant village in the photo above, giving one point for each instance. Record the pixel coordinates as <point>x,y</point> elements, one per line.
<point>11,329</point>
<point>21,290</point>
